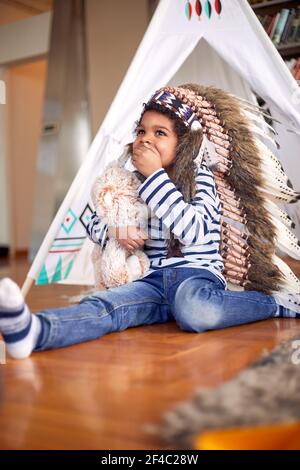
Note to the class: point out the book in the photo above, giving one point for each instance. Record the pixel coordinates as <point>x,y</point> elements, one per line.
<point>294,27</point>
<point>284,14</point>
<point>271,25</point>
<point>274,25</point>
<point>288,24</point>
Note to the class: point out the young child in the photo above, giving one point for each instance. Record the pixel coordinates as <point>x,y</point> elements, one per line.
<point>185,281</point>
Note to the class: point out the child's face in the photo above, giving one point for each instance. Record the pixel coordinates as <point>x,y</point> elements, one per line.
<point>158,130</point>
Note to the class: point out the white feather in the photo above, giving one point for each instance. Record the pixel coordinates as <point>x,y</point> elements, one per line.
<point>292,283</point>
<point>276,180</point>
<point>282,192</point>
<point>286,240</point>
<point>256,130</point>
<point>269,168</point>
<point>257,118</point>
<point>278,213</point>
<point>274,196</point>
<point>266,154</point>
<point>252,107</point>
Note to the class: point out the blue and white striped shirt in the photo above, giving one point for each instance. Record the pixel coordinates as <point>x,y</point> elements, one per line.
<point>196,224</point>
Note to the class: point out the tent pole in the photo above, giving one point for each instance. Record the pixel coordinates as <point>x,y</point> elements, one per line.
<point>27,286</point>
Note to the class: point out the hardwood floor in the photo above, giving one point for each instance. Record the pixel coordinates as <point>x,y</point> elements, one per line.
<point>101,394</point>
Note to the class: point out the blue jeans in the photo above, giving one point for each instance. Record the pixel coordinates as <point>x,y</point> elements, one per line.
<point>194,298</point>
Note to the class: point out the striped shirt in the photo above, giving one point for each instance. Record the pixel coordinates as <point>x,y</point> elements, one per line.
<point>195,224</point>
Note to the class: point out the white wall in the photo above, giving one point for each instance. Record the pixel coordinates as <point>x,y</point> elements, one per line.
<point>25,85</point>
<point>25,39</point>
<point>22,40</point>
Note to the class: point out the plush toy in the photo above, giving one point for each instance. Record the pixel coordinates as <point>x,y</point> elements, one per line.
<point>116,201</point>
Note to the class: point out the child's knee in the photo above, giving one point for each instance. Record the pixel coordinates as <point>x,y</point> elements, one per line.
<point>195,309</point>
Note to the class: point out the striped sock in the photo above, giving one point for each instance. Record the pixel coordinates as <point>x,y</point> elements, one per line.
<point>19,328</point>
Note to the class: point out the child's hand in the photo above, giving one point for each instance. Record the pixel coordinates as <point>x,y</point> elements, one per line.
<point>130,237</point>
<point>146,159</point>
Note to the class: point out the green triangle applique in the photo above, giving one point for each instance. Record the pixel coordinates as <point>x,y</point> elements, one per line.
<point>70,265</point>
<point>57,274</point>
<point>43,277</point>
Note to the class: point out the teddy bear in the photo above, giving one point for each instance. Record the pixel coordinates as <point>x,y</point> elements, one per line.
<point>117,203</point>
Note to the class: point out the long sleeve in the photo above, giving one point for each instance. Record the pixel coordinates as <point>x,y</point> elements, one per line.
<point>97,230</point>
<point>190,222</point>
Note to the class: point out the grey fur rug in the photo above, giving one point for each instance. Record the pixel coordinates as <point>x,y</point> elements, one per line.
<point>266,392</point>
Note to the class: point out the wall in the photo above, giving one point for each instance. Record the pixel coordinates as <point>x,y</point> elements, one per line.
<point>19,40</point>
<point>10,13</point>
<point>25,39</point>
<point>114,31</point>
<point>25,91</point>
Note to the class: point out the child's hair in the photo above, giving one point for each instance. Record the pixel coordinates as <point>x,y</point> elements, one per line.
<point>184,166</point>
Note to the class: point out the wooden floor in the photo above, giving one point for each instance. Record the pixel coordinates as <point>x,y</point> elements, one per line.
<point>99,395</point>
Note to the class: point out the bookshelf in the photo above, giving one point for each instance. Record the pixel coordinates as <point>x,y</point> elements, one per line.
<point>273,6</point>
<point>289,50</point>
<point>287,42</point>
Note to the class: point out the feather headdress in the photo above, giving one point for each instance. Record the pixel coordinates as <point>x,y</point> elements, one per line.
<point>250,180</point>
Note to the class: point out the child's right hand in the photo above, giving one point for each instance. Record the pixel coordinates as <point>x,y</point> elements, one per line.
<point>130,237</point>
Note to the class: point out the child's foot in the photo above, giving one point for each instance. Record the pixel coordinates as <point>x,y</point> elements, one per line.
<point>288,305</point>
<point>19,328</point>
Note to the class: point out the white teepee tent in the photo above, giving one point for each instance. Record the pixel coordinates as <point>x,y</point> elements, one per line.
<point>227,47</point>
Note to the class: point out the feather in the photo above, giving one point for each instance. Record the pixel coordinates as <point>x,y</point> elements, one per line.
<point>279,214</point>
<point>292,283</point>
<point>258,119</point>
<point>245,104</point>
<point>274,193</point>
<point>249,179</point>
<point>256,130</point>
<point>266,154</point>
<point>276,180</point>
<point>286,240</point>
<point>268,167</point>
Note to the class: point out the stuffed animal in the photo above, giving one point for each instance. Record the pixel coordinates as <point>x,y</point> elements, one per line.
<point>116,202</point>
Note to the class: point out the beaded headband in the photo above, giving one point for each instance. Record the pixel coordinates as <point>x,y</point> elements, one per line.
<point>186,114</point>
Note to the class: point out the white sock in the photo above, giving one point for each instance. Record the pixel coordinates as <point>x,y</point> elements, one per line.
<point>19,328</point>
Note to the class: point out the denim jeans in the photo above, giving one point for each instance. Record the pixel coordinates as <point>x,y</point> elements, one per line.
<point>195,298</point>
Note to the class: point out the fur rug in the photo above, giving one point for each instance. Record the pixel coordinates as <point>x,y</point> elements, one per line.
<point>266,392</point>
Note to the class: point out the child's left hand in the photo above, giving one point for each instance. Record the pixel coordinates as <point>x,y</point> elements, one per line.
<point>146,159</point>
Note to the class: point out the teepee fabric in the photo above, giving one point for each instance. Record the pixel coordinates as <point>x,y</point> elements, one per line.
<point>175,32</point>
